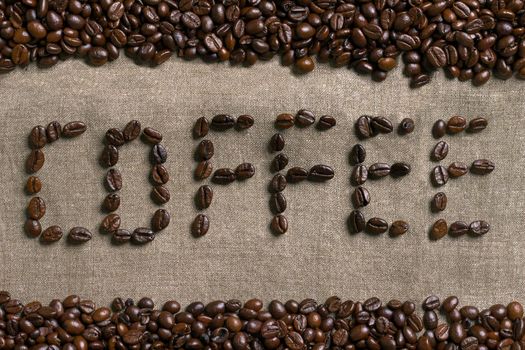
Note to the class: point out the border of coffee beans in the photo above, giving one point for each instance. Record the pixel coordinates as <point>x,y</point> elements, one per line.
<point>114,139</point>
<point>222,176</point>
<point>367,127</point>
<point>317,173</point>
<point>39,137</point>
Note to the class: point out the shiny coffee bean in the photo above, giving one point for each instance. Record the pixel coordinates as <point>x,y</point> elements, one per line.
<point>363,127</point>
<point>284,121</point>
<point>200,225</point>
<point>159,154</point>
<point>159,174</point>
<point>205,150</point>
<point>439,175</point>
<point>304,118</point>
<point>406,126</point>
<point>278,183</point>
<point>79,235</point>
<point>111,202</point>
<point>244,122</point>
<point>376,226</point>
<point>32,228</point>
<point>36,209</point>
<point>142,235</point>
<point>479,228</point>
<point>278,203</point>
<point>204,197</point>
<point>477,124</point>
<point>53,131</point>
<point>320,173</point>
<point>440,151</point>
<point>439,129</point>
<point>326,122</point>
<point>279,162</point>
<point>121,236</point>
<point>222,122</point>
<point>279,224</point>
<point>456,124</point>
<point>359,175</point>
<point>113,180</point>
<point>131,130</point>
<point>33,185</point>
<point>277,142</point>
<point>37,137</point>
<point>51,234</point>
<point>203,170</point>
<point>381,125</point>
<point>457,169</point>
<point>398,228</point>
<point>160,194</point>
<point>73,129</point>
<point>110,156</point>
<point>244,171</point>
<point>160,220</point>
<point>439,202</point>
<point>356,221</point>
<point>115,137</point>
<point>152,136</point>
<point>378,170</point>
<point>110,223</point>
<point>439,229</point>
<point>357,154</point>
<point>360,197</point>
<point>400,169</point>
<point>482,167</point>
<point>296,174</point>
<point>458,228</point>
<point>35,161</point>
<point>201,127</point>
<point>224,176</point>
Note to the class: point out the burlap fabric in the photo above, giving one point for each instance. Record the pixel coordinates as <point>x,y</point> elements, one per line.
<point>240,257</point>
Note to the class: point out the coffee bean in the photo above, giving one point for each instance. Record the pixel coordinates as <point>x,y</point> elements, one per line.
<point>159,174</point>
<point>53,131</point>
<point>357,154</point>
<point>457,169</point>
<point>142,235</point>
<point>439,175</point>
<point>398,228</point>
<point>279,224</point>
<point>326,122</point>
<point>458,228</point>
<point>456,124</point>
<point>439,129</point>
<point>109,156</point>
<point>35,161</point>
<point>204,197</point>
<point>479,228</point>
<point>201,127</point>
<point>73,129</point>
<point>32,228</point>
<point>436,57</point>
<point>110,223</point>
<point>356,221</point>
<point>400,169</point>
<point>160,220</point>
<point>111,202</point>
<point>431,303</point>
<point>482,167</point>
<point>381,125</point>
<point>121,236</point>
<point>132,130</point>
<point>406,126</point>
<point>244,171</point>
<point>51,234</point>
<point>378,170</point>
<point>33,185</point>
<point>439,229</point>
<point>200,225</point>
<point>36,209</point>
<point>160,194</point>
<point>360,197</point>
<point>279,162</point>
<point>278,203</point>
<point>284,121</point>
<point>363,127</point>
<point>359,175</point>
<point>440,151</point>
<point>203,170</point>
<point>222,122</point>
<point>113,180</point>
<point>477,124</point>
<point>296,174</point>
<point>115,137</point>
<point>205,150</point>
<point>304,118</point>
<point>159,154</point>
<point>469,343</point>
<point>152,136</point>
<point>439,202</point>
<point>244,122</point>
<point>79,235</point>
<point>224,176</point>
<point>277,142</point>
<point>278,183</point>
<point>37,137</point>
<point>376,226</point>
<point>320,173</point>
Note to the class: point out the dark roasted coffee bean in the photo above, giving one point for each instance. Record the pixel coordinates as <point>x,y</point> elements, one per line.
<point>204,197</point>
<point>33,185</point>
<point>142,235</point>
<point>79,235</point>
<point>278,183</point>
<point>201,127</point>
<point>326,122</point>
<point>36,209</point>
<point>363,127</point>
<point>278,203</point>
<point>357,154</point>
<point>284,121</point>
<point>244,122</point>
<point>203,170</point>
<point>400,169</point>
<point>32,228</point>
<point>73,129</point>
<point>439,201</point>
<point>277,142</point>
<point>381,125</point>
<point>112,202</point>
<point>159,154</point>
<point>304,118</point>
<point>160,220</point>
<point>398,228</point>
<point>51,234</point>
<point>378,170</point>
<point>115,137</point>
<point>439,129</point>
<point>477,124</point>
<point>359,175</point>
<point>456,124</point>
<point>152,136</point>
<point>457,169</point>
<point>200,225</point>
<point>439,230</point>
<point>35,161</point>
<point>113,180</point>
<point>110,223</point>
<point>482,167</point>
<point>458,228</point>
<point>439,175</point>
<point>356,221</point>
<point>296,174</point>
<point>279,162</point>
<point>431,303</point>
<point>440,151</point>
<point>53,131</point>
<point>37,137</point>
<point>376,226</point>
<point>406,126</point>
<point>224,176</point>
<point>320,172</point>
<point>479,228</point>
<point>131,131</point>
<point>279,224</point>
<point>121,236</point>
<point>205,150</point>
<point>360,197</point>
<point>244,171</point>
<point>222,122</point>
<point>160,194</point>
<point>159,174</point>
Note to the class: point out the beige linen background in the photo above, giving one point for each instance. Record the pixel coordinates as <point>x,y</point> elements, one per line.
<point>240,257</point>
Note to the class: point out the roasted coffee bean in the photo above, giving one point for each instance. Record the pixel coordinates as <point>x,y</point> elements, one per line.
<point>142,235</point>
<point>439,202</point>
<point>111,202</point>
<point>378,170</point>
<point>121,236</point>
<point>278,203</point>
<point>203,170</point>
<point>360,197</point>
<point>205,150</point>
<point>244,171</point>
<point>115,137</point>
<point>279,162</point>
<point>320,173</point>
<point>160,194</point>
<point>398,228</point>
<point>36,209</point>
<point>406,126</point>
<point>159,154</point>
<point>224,176</point>
<point>201,127</point>
<point>277,142</point>
<point>359,175</point>
<point>278,183</point>
<point>440,151</point>
<point>110,223</point>
<point>479,228</point>
<point>477,124</point>
<point>356,221</point>
<point>200,225</point>
<point>431,303</point>
<point>439,229</point>
<point>222,122</point>
<point>482,167</point>
<point>439,175</point>
<point>244,122</point>
<point>53,131</point>
<point>304,118</point>
<point>363,127</point>
<point>32,228</point>
<point>381,125</point>
<point>439,129</point>
<point>114,180</point>
<point>458,228</point>
<point>456,124</point>
<point>204,197</point>
<point>73,129</point>
<point>159,174</point>
<point>296,174</point>
<point>279,224</point>
<point>51,234</point>
<point>131,131</point>
<point>160,220</point>
<point>37,137</point>
<point>33,185</point>
<point>284,121</point>
<point>457,169</point>
<point>326,122</point>
<point>110,156</point>
<point>357,154</point>
<point>152,136</point>
<point>376,226</point>
<point>35,161</point>
<point>79,235</point>
<point>400,169</point>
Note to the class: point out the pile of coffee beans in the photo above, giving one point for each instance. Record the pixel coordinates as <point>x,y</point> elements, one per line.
<point>114,139</point>
<point>39,137</point>
<point>76,323</point>
<point>440,175</point>
<point>222,176</point>
<point>318,173</point>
